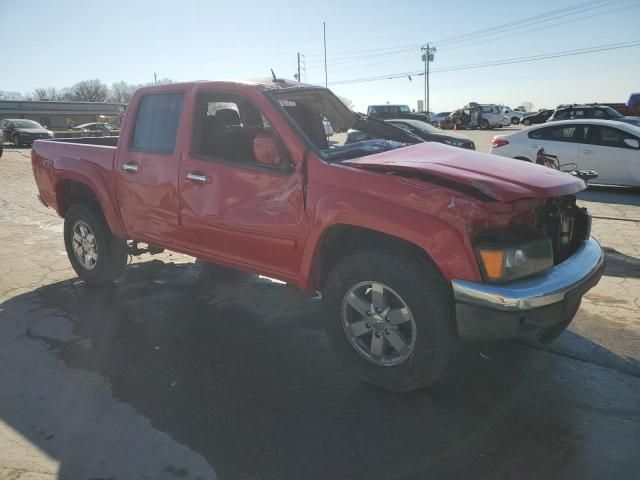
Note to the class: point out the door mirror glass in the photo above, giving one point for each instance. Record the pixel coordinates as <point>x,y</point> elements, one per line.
<point>267,150</point>
<point>632,142</point>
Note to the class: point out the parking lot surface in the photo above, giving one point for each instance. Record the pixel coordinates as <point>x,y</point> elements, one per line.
<point>180,372</point>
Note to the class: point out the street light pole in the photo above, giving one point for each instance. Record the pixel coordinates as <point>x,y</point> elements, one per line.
<point>427,57</point>
<point>324,37</point>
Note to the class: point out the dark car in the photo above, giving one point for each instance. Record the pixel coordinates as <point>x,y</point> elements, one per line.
<point>538,117</point>
<point>431,134</point>
<point>98,129</point>
<point>395,111</point>
<point>601,112</point>
<point>420,129</point>
<point>22,132</point>
<point>435,119</point>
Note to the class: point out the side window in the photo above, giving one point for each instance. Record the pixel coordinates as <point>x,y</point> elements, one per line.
<point>554,134</point>
<point>225,125</point>
<point>599,113</point>
<point>157,122</point>
<point>608,137</point>
<point>579,113</point>
<point>561,114</point>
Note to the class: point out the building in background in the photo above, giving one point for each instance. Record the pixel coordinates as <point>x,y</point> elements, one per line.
<point>59,116</point>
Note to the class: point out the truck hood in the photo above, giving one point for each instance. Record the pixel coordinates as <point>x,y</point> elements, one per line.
<point>500,178</point>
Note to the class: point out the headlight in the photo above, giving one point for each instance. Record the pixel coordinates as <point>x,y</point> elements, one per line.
<point>503,260</point>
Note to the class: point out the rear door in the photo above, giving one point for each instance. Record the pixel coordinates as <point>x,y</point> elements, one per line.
<point>559,140</point>
<point>605,151</point>
<point>146,172</point>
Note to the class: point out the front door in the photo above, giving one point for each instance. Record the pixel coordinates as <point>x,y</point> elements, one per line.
<point>234,209</point>
<point>146,171</point>
<point>605,151</point>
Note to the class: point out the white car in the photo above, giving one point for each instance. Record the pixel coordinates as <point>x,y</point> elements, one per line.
<point>514,116</point>
<point>610,148</point>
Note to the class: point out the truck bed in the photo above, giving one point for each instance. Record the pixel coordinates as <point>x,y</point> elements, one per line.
<point>91,157</point>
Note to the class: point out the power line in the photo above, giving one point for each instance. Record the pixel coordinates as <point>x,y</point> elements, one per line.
<point>543,27</point>
<point>366,62</point>
<point>493,63</point>
<point>551,15</point>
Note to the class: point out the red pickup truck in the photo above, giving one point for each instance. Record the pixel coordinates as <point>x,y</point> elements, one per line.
<point>413,245</point>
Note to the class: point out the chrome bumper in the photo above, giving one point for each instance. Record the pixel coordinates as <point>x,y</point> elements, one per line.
<point>541,300</point>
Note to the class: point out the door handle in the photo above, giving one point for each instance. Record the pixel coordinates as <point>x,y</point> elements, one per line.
<point>587,151</point>
<point>196,177</point>
<point>130,167</point>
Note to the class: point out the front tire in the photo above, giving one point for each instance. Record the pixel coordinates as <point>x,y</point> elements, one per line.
<point>16,141</point>
<point>484,124</point>
<point>389,315</point>
<point>96,254</point>
<point>526,122</point>
<point>515,121</point>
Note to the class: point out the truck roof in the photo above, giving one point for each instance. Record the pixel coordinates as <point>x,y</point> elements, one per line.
<point>266,83</point>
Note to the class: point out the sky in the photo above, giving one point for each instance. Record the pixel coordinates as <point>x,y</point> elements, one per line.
<point>57,43</point>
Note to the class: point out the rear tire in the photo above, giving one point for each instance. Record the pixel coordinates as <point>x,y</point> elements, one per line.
<point>96,254</point>
<point>16,141</point>
<point>515,121</point>
<point>426,327</point>
<point>484,124</point>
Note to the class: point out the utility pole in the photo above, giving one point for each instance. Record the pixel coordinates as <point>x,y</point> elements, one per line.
<point>427,57</point>
<point>155,77</point>
<point>298,77</point>
<point>324,35</point>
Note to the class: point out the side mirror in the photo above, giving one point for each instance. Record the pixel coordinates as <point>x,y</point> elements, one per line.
<point>632,142</point>
<point>268,151</point>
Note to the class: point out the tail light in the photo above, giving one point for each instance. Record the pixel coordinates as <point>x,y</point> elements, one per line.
<point>499,142</point>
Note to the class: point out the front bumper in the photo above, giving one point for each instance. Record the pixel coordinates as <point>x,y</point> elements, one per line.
<point>542,304</point>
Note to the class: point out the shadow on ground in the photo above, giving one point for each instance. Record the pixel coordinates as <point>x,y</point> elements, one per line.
<point>615,195</point>
<point>621,265</point>
<point>238,369</point>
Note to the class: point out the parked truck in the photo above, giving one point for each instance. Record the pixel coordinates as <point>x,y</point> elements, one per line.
<point>414,246</point>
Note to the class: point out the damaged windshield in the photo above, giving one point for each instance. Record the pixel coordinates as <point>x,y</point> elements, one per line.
<point>335,130</point>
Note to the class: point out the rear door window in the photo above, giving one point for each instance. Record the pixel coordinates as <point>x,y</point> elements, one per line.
<point>571,133</point>
<point>157,122</point>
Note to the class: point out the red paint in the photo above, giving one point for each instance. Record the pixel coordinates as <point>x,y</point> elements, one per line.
<point>274,222</point>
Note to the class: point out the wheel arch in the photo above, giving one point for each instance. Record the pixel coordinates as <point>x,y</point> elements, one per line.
<point>72,187</point>
<point>430,239</point>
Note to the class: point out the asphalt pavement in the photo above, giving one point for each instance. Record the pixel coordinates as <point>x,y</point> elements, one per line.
<point>183,372</point>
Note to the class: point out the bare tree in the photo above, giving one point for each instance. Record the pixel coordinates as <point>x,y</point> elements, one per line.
<point>49,94</point>
<point>89,91</point>
<point>121,92</point>
<point>4,95</point>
